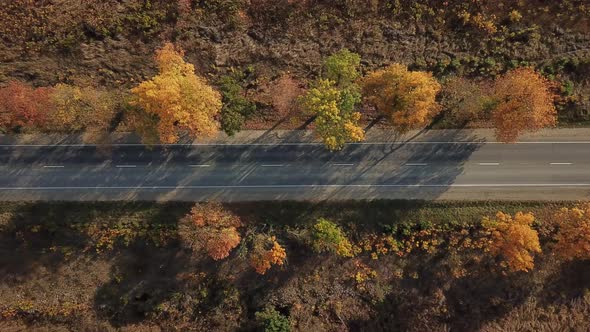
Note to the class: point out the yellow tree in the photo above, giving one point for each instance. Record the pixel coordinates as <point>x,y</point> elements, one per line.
<point>513,239</point>
<point>336,119</point>
<point>182,101</point>
<point>524,103</point>
<point>210,227</point>
<point>573,237</point>
<point>406,98</point>
<point>266,252</point>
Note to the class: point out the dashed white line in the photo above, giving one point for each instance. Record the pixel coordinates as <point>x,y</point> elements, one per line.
<point>560,164</point>
<point>126,166</point>
<point>343,164</point>
<point>53,166</point>
<point>489,164</point>
<point>279,165</point>
<point>416,164</point>
<point>200,166</point>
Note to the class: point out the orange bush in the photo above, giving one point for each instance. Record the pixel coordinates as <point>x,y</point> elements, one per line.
<point>265,253</point>
<point>22,106</point>
<point>573,237</point>
<point>525,103</point>
<point>513,239</point>
<point>211,228</point>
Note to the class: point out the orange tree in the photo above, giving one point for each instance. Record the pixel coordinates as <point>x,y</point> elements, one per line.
<point>406,98</point>
<point>513,239</point>
<point>524,103</point>
<point>211,228</point>
<point>573,237</point>
<point>181,100</point>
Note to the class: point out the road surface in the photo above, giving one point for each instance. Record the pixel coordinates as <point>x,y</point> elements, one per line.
<point>416,170</point>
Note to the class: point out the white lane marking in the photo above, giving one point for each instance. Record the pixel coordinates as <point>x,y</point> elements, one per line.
<point>489,164</point>
<point>416,164</point>
<point>279,144</point>
<point>560,164</point>
<point>343,164</point>
<point>126,166</point>
<point>279,165</point>
<point>53,166</point>
<point>294,186</point>
<point>204,165</point>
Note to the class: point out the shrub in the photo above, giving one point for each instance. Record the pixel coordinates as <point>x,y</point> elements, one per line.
<point>23,107</point>
<point>328,237</point>
<point>465,100</point>
<point>266,252</point>
<point>270,320</point>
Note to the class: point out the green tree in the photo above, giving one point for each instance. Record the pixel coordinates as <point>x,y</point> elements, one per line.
<point>328,237</point>
<point>336,119</point>
<point>236,107</point>
<point>342,68</point>
<point>270,320</point>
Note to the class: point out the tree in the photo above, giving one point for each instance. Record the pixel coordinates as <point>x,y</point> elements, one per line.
<point>328,237</point>
<point>270,320</point>
<point>336,120</point>
<point>23,107</point>
<point>266,252</point>
<point>210,227</point>
<point>573,236</point>
<point>236,108</point>
<point>342,68</point>
<point>524,103</point>
<point>406,97</point>
<point>513,239</point>
<point>182,101</point>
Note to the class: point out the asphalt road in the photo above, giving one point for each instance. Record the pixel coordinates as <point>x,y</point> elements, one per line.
<point>433,170</point>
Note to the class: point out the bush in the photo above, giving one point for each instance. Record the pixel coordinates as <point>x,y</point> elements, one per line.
<point>270,320</point>
<point>328,237</point>
<point>342,67</point>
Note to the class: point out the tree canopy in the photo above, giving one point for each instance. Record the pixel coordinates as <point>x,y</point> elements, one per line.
<point>182,100</point>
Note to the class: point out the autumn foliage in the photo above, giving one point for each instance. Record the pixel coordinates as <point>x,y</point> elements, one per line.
<point>524,103</point>
<point>211,228</point>
<point>265,253</point>
<point>573,237</point>
<point>328,237</point>
<point>182,101</point>
<point>23,107</point>
<point>336,120</point>
<point>513,239</point>
<point>406,98</point>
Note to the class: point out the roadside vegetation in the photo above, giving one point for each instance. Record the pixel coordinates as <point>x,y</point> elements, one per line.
<point>381,265</point>
<point>172,69</point>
